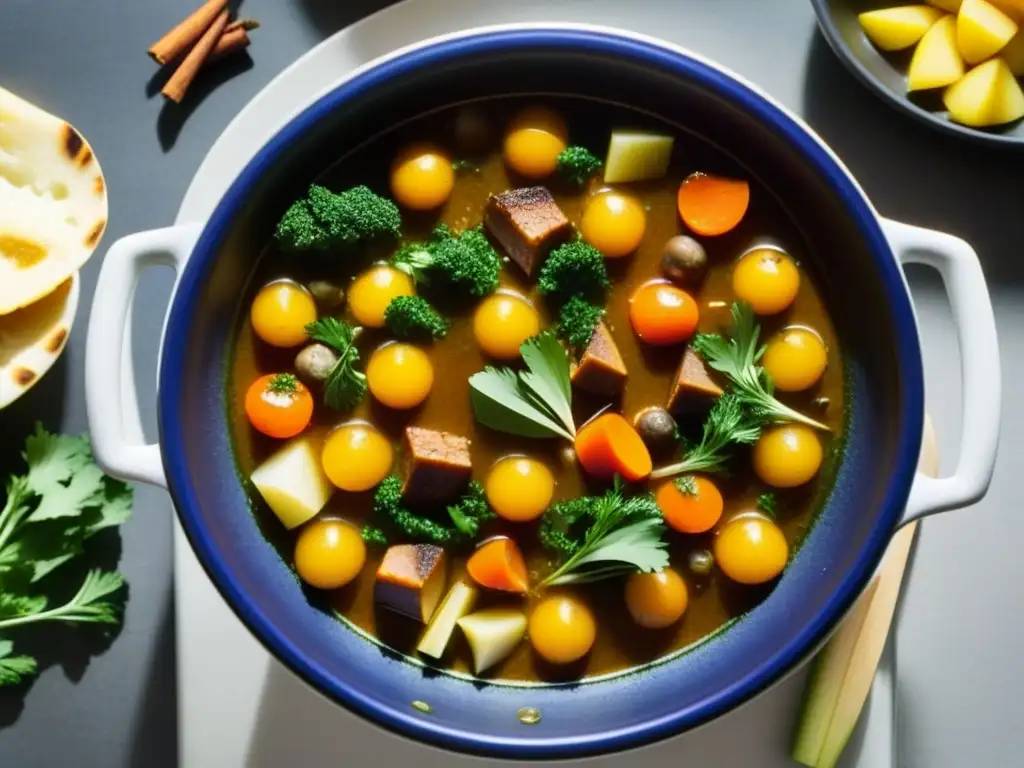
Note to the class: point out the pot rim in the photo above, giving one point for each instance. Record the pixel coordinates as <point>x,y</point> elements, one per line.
<point>600,40</point>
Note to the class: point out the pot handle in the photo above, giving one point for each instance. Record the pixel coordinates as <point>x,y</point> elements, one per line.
<point>108,341</point>
<point>961,273</point>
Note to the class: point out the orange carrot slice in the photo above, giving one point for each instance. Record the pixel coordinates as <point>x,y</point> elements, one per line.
<point>690,504</point>
<point>498,564</point>
<point>609,446</point>
<point>712,205</point>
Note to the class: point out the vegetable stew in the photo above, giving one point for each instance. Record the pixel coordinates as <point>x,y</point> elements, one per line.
<point>536,391</point>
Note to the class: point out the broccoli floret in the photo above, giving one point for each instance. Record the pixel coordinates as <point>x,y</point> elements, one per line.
<point>576,322</point>
<point>412,317</point>
<point>577,164</point>
<point>324,219</point>
<point>574,269</point>
<point>467,515</point>
<point>466,262</point>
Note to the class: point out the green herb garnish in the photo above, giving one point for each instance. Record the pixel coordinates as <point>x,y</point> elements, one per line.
<point>532,403</point>
<point>687,485</point>
<point>50,513</point>
<point>283,384</point>
<point>769,504</point>
<point>737,357</point>
<point>574,269</point>
<point>576,322</point>
<point>729,423</point>
<point>325,220</point>
<point>620,536</point>
<point>345,386</point>
<point>466,515</point>
<point>461,263</point>
<point>412,317</point>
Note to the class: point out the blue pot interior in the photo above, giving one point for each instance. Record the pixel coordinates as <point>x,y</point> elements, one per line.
<point>853,267</point>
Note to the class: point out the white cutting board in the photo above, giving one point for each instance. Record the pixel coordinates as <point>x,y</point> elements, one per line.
<point>239,707</point>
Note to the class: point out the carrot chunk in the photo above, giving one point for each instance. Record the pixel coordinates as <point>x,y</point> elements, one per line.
<point>609,446</point>
<point>498,564</point>
<point>712,205</point>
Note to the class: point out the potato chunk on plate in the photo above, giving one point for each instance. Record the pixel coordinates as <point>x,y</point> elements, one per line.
<point>982,30</point>
<point>893,29</point>
<point>987,95</point>
<point>937,61</point>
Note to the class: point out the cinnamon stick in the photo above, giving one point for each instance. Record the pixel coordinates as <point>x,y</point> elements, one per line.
<point>178,84</point>
<point>235,38</point>
<point>178,40</point>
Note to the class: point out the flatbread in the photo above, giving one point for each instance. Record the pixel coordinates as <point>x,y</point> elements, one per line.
<point>53,202</point>
<point>32,338</point>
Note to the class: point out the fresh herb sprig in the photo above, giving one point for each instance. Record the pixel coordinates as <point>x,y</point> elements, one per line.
<point>737,356</point>
<point>576,322</point>
<point>769,504</point>
<point>536,402</point>
<point>729,423</point>
<point>50,513</point>
<point>345,385</point>
<point>467,515</point>
<point>622,535</point>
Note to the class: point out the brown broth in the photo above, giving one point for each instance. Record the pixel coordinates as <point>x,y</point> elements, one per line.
<point>620,644</point>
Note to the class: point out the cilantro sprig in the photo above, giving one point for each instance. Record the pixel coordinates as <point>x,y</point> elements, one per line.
<point>620,535</point>
<point>49,514</point>
<point>345,385</point>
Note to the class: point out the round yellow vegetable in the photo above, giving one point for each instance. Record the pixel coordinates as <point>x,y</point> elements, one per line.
<point>422,177</point>
<point>356,457</point>
<point>329,554</point>
<point>373,290</point>
<point>795,359</point>
<point>751,549</point>
<point>614,224</point>
<point>787,455</point>
<point>400,375</point>
<point>562,629</point>
<point>656,600</point>
<point>519,488</point>
<point>502,323</point>
<point>534,140</point>
<point>280,313</point>
<point>767,279</point>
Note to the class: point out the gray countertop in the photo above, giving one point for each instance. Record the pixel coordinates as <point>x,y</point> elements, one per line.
<point>961,675</point>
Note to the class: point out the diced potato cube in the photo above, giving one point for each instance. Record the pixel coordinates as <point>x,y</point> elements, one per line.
<point>982,30</point>
<point>492,635</point>
<point>293,483</point>
<point>893,29</point>
<point>1013,54</point>
<point>637,156</point>
<point>937,61</point>
<point>987,95</point>
<point>456,604</point>
<point>947,5</point>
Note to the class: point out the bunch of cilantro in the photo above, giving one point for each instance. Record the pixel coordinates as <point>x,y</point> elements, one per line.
<point>49,514</point>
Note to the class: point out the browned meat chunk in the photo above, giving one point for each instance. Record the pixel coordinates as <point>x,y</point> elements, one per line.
<point>600,369</point>
<point>693,388</point>
<point>410,580</point>
<point>527,223</point>
<point>437,466</point>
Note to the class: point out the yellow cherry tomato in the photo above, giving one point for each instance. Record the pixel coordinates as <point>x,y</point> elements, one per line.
<point>329,554</point>
<point>280,313</point>
<point>519,488</point>
<point>534,140</point>
<point>795,359</point>
<point>502,322</point>
<point>356,457</point>
<point>422,177</point>
<point>787,455</point>
<point>373,290</point>
<point>562,629</point>
<point>400,375</point>
<point>614,224</point>
<point>656,600</point>
<point>751,550</point>
<point>767,279</point>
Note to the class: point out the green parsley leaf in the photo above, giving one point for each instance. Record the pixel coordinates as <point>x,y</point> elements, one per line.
<point>16,606</point>
<point>84,489</point>
<point>345,385</point>
<point>14,669</point>
<point>769,504</point>
<point>54,459</point>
